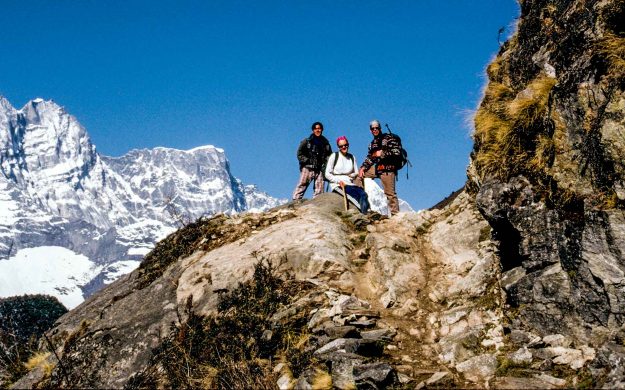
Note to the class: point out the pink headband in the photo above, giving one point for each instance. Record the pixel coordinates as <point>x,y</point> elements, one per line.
<point>341,138</point>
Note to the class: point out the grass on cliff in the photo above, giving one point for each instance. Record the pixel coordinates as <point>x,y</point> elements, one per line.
<point>236,347</point>
<point>510,133</point>
<point>612,48</point>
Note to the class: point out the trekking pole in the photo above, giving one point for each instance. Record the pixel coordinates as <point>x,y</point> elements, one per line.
<point>344,195</point>
<point>388,128</point>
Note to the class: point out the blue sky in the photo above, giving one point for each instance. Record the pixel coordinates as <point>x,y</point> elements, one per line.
<point>252,76</point>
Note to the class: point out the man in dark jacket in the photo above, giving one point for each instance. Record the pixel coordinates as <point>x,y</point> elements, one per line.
<point>378,164</point>
<point>312,153</point>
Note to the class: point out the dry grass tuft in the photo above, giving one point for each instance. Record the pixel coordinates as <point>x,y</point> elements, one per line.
<point>612,48</point>
<point>531,104</point>
<point>40,359</point>
<point>491,127</point>
<point>544,154</point>
<point>497,93</point>
<point>510,137</point>
<point>494,68</point>
<point>233,349</point>
<point>296,352</point>
<point>322,380</point>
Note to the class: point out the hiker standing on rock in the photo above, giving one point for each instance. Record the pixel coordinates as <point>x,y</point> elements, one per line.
<point>341,170</point>
<point>377,165</point>
<point>312,154</point>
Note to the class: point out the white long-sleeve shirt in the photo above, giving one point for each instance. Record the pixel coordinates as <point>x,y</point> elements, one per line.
<point>345,169</point>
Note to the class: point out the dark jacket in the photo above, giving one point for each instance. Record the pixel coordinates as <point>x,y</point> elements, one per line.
<point>382,164</point>
<point>313,152</point>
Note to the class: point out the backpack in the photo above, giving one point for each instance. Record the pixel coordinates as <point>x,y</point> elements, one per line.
<point>396,155</point>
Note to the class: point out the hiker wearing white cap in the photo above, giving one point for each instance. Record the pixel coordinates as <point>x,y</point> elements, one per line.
<point>375,165</point>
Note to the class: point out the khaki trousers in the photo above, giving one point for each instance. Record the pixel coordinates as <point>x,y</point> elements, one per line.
<point>388,185</point>
<point>305,177</point>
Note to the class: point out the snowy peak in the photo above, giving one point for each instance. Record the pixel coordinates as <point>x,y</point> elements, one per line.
<point>43,135</point>
<point>49,156</point>
<point>5,105</point>
<point>197,181</point>
<point>8,117</point>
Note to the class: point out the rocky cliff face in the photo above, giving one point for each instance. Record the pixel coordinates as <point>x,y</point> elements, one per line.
<point>547,170</point>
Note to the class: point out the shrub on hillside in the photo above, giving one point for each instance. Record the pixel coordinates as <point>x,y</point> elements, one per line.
<point>235,348</point>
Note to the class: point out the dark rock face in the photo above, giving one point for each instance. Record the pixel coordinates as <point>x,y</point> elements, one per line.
<point>571,260</point>
<point>554,115</point>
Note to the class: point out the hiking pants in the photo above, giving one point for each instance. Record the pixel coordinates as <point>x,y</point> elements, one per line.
<point>388,184</point>
<point>305,177</point>
<point>360,196</point>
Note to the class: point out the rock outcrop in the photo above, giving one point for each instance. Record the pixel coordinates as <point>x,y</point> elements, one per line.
<point>415,299</point>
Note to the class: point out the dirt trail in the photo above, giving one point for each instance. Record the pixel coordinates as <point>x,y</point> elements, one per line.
<point>413,352</point>
<point>431,276</point>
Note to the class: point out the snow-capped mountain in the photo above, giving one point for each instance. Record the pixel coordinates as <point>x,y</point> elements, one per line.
<point>57,193</point>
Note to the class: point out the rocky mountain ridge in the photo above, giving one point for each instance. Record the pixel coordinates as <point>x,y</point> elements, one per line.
<point>363,271</point>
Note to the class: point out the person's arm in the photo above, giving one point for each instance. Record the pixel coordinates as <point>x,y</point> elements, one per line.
<point>303,153</point>
<point>354,169</point>
<point>370,160</point>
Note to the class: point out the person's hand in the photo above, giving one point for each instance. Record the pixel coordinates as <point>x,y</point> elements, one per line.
<point>378,153</point>
<point>342,183</point>
<point>361,173</point>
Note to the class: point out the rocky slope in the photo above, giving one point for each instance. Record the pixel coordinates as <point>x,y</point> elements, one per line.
<point>414,300</point>
<point>417,285</point>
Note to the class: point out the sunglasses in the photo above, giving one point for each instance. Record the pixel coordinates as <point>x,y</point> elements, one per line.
<point>343,146</point>
<point>318,128</point>
<point>375,128</point>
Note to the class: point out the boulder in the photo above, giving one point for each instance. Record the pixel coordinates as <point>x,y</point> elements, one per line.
<point>374,375</point>
<point>478,369</point>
